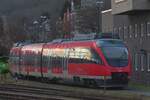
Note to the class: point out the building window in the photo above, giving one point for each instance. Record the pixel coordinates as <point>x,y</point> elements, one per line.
<point>142,57</point>
<point>133,58</point>
<point>148,62</point>
<point>77,4</point>
<point>130,31</point>
<point>114,31</point>
<point>142,30</point>
<point>117,30</point>
<point>148,29</point>
<point>125,32</point>
<point>136,30</point>
<point>120,32</point>
<point>136,59</point>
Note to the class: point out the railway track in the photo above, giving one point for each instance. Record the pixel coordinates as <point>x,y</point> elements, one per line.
<point>46,92</point>
<point>21,92</point>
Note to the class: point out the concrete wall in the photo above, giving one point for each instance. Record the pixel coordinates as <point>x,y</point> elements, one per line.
<point>120,6</point>
<point>135,31</point>
<point>141,4</point>
<point>127,6</point>
<point>87,3</point>
<point>107,21</point>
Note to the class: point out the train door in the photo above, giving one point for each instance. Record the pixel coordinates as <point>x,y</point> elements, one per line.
<point>22,63</point>
<point>49,75</point>
<point>14,61</point>
<point>58,62</point>
<point>65,63</point>
<point>47,62</point>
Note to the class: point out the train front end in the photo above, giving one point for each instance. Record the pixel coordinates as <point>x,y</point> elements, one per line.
<point>117,61</point>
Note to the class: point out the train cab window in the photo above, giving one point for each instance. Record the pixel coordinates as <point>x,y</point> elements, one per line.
<point>114,52</point>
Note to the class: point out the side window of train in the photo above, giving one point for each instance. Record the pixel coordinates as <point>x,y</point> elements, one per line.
<point>95,57</point>
<point>26,59</point>
<point>45,57</point>
<point>54,59</point>
<point>84,55</point>
<point>22,59</point>
<point>35,59</point>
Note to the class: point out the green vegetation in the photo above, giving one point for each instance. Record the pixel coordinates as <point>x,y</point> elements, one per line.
<point>4,59</point>
<point>139,86</point>
<point>4,69</point>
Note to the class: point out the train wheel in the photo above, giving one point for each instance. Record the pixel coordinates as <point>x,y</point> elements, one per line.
<point>55,80</point>
<point>90,82</point>
<point>86,82</point>
<point>76,80</point>
<point>15,75</point>
<point>94,83</point>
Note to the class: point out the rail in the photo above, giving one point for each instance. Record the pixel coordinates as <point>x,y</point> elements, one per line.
<point>28,91</point>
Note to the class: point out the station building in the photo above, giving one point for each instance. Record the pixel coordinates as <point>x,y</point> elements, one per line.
<point>131,20</point>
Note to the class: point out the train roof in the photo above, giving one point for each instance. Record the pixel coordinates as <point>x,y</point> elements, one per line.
<point>90,38</point>
<point>35,45</point>
<point>100,42</point>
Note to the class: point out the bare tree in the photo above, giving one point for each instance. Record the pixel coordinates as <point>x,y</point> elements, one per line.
<point>86,20</point>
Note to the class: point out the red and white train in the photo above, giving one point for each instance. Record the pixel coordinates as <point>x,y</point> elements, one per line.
<point>97,62</point>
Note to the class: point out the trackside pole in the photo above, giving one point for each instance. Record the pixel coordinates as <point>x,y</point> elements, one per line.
<point>104,84</point>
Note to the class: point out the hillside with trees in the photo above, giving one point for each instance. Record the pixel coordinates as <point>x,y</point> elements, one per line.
<point>17,19</point>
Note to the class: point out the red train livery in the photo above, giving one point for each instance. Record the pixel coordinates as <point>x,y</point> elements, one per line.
<point>99,62</point>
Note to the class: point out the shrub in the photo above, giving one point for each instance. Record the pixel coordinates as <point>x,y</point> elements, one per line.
<point>4,68</point>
